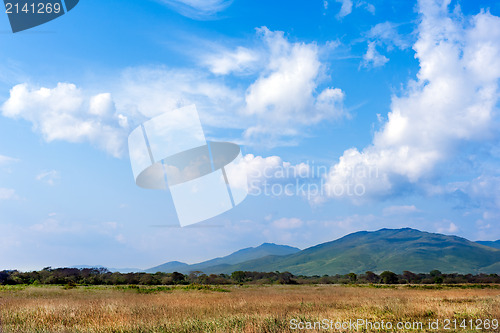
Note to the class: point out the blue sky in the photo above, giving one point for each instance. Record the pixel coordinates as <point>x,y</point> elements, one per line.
<point>396,100</point>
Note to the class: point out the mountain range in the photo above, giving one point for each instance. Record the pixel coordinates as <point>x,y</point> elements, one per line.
<point>495,244</point>
<point>217,264</point>
<point>386,249</point>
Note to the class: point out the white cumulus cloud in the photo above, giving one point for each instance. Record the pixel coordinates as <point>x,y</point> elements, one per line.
<point>284,97</point>
<point>257,172</point>
<point>452,100</point>
<point>65,112</point>
<point>447,227</point>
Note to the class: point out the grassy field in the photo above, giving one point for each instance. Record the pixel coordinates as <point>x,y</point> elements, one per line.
<point>244,308</point>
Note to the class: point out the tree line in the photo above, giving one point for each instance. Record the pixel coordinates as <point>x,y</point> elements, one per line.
<point>101,276</point>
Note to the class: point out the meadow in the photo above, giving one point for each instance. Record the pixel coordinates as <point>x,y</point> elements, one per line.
<point>248,308</point>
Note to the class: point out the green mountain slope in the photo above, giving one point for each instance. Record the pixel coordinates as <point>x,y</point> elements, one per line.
<point>387,249</point>
<point>251,253</point>
<point>495,244</point>
<point>171,266</point>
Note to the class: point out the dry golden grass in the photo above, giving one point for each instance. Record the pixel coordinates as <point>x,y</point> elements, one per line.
<point>242,309</point>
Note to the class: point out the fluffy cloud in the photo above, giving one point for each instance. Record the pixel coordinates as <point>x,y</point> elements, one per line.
<point>372,58</point>
<point>227,62</point>
<point>66,113</point>
<point>379,35</point>
<point>387,33</point>
<point>453,100</point>
<point>346,8</point>
<point>258,172</point>
<point>274,108</point>
<point>447,227</point>
<point>284,97</point>
<point>145,92</point>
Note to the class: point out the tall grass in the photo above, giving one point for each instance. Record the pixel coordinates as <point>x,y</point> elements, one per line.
<point>231,308</point>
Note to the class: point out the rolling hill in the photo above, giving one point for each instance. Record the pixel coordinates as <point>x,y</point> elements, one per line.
<point>218,264</point>
<point>495,244</point>
<point>386,249</point>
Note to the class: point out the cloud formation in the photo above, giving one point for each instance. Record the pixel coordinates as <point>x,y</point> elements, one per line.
<point>347,5</point>
<point>66,113</point>
<point>258,172</point>
<point>382,34</point>
<point>237,61</point>
<point>274,108</point>
<point>372,58</point>
<point>387,33</point>
<point>284,97</point>
<point>346,8</point>
<point>452,100</point>
<point>447,227</point>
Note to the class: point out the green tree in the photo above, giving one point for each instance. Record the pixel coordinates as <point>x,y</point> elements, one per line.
<point>371,277</point>
<point>438,279</point>
<point>352,277</point>
<point>238,276</point>
<point>177,277</point>
<point>410,277</point>
<point>435,273</point>
<point>389,277</point>
<point>286,278</point>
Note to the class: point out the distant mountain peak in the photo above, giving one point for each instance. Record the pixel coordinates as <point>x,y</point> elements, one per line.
<point>385,249</point>
<point>249,253</point>
<point>494,244</point>
<point>275,245</point>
